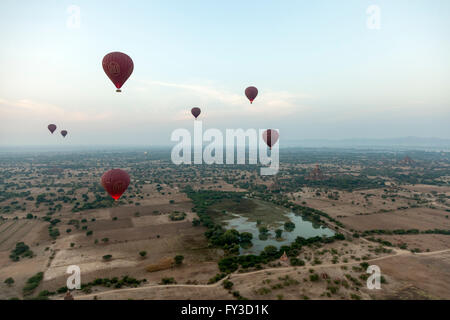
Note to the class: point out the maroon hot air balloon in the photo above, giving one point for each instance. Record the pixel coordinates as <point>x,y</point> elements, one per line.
<point>251,93</point>
<point>51,127</point>
<point>64,133</point>
<point>195,112</point>
<point>270,136</point>
<point>115,182</point>
<point>118,67</point>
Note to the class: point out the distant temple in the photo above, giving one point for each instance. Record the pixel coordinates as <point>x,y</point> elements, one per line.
<point>68,296</point>
<point>54,171</point>
<point>316,174</point>
<point>284,257</point>
<point>407,160</point>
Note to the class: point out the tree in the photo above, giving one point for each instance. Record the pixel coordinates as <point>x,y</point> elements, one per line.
<point>297,262</point>
<point>107,257</point>
<point>9,281</point>
<point>178,260</point>
<point>143,253</point>
<point>246,237</point>
<point>263,230</point>
<point>230,237</point>
<point>270,251</point>
<point>168,280</point>
<point>278,233</point>
<point>227,284</point>
<point>289,226</point>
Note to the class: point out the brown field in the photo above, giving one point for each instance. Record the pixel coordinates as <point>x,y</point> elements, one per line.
<point>417,218</point>
<point>141,222</point>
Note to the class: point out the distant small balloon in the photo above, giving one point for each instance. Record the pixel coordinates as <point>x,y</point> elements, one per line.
<point>115,182</point>
<point>51,127</point>
<point>195,112</point>
<point>270,136</point>
<point>118,67</point>
<point>64,133</point>
<point>251,93</point>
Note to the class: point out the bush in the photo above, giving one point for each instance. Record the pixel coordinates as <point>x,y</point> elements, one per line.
<point>228,265</point>
<point>178,260</point>
<point>314,277</point>
<point>107,257</point>
<point>177,216</point>
<point>289,226</point>
<point>227,284</point>
<point>278,233</point>
<point>32,283</point>
<point>216,278</point>
<point>62,290</point>
<point>20,251</point>
<point>297,262</point>
<point>9,281</point>
<point>143,253</point>
<point>170,280</point>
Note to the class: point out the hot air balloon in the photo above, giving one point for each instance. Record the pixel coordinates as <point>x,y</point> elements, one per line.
<point>115,182</point>
<point>270,136</point>
<point>51,127</point>
<point>195,112</point>
<point>118,67</point>
<point>251,93</point>
<point>64,133</point>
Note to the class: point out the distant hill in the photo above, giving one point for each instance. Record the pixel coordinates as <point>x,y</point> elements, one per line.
<point>405,142</point>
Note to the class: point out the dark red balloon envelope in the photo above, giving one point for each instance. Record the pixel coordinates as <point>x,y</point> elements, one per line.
<point>251,93</point>
<point>118,67</point>
<point>51,127</point>
<point>115,182</point>
<point>196,112</point>
<point>64,133</point>
<point>270,136</point>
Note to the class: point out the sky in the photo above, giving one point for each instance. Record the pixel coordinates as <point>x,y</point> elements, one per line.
<point>321,70</point>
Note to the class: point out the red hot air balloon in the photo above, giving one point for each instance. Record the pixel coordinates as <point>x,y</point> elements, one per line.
<point>118,67</point>
<point>270,136</point>
<point>51,127</point>
<point>195,112</point>
<point>64,133</point>
<point>115,182</point>
<point>251,93</point>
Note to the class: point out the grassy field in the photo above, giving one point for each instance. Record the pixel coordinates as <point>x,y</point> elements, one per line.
<point>266,213</point>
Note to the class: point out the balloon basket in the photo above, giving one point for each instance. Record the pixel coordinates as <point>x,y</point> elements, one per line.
<point>118,90</point>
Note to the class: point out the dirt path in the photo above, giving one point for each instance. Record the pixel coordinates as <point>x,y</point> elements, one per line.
<point>155,286</point>
<point>432,252</point>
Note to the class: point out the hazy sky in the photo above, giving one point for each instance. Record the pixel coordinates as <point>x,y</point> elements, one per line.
<point>321,72</point>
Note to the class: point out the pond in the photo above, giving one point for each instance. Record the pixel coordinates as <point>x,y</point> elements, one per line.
<point>303,228</point>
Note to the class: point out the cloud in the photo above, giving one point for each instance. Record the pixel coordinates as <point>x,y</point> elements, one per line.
<point>32,110</point>
<point>268,103</point>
